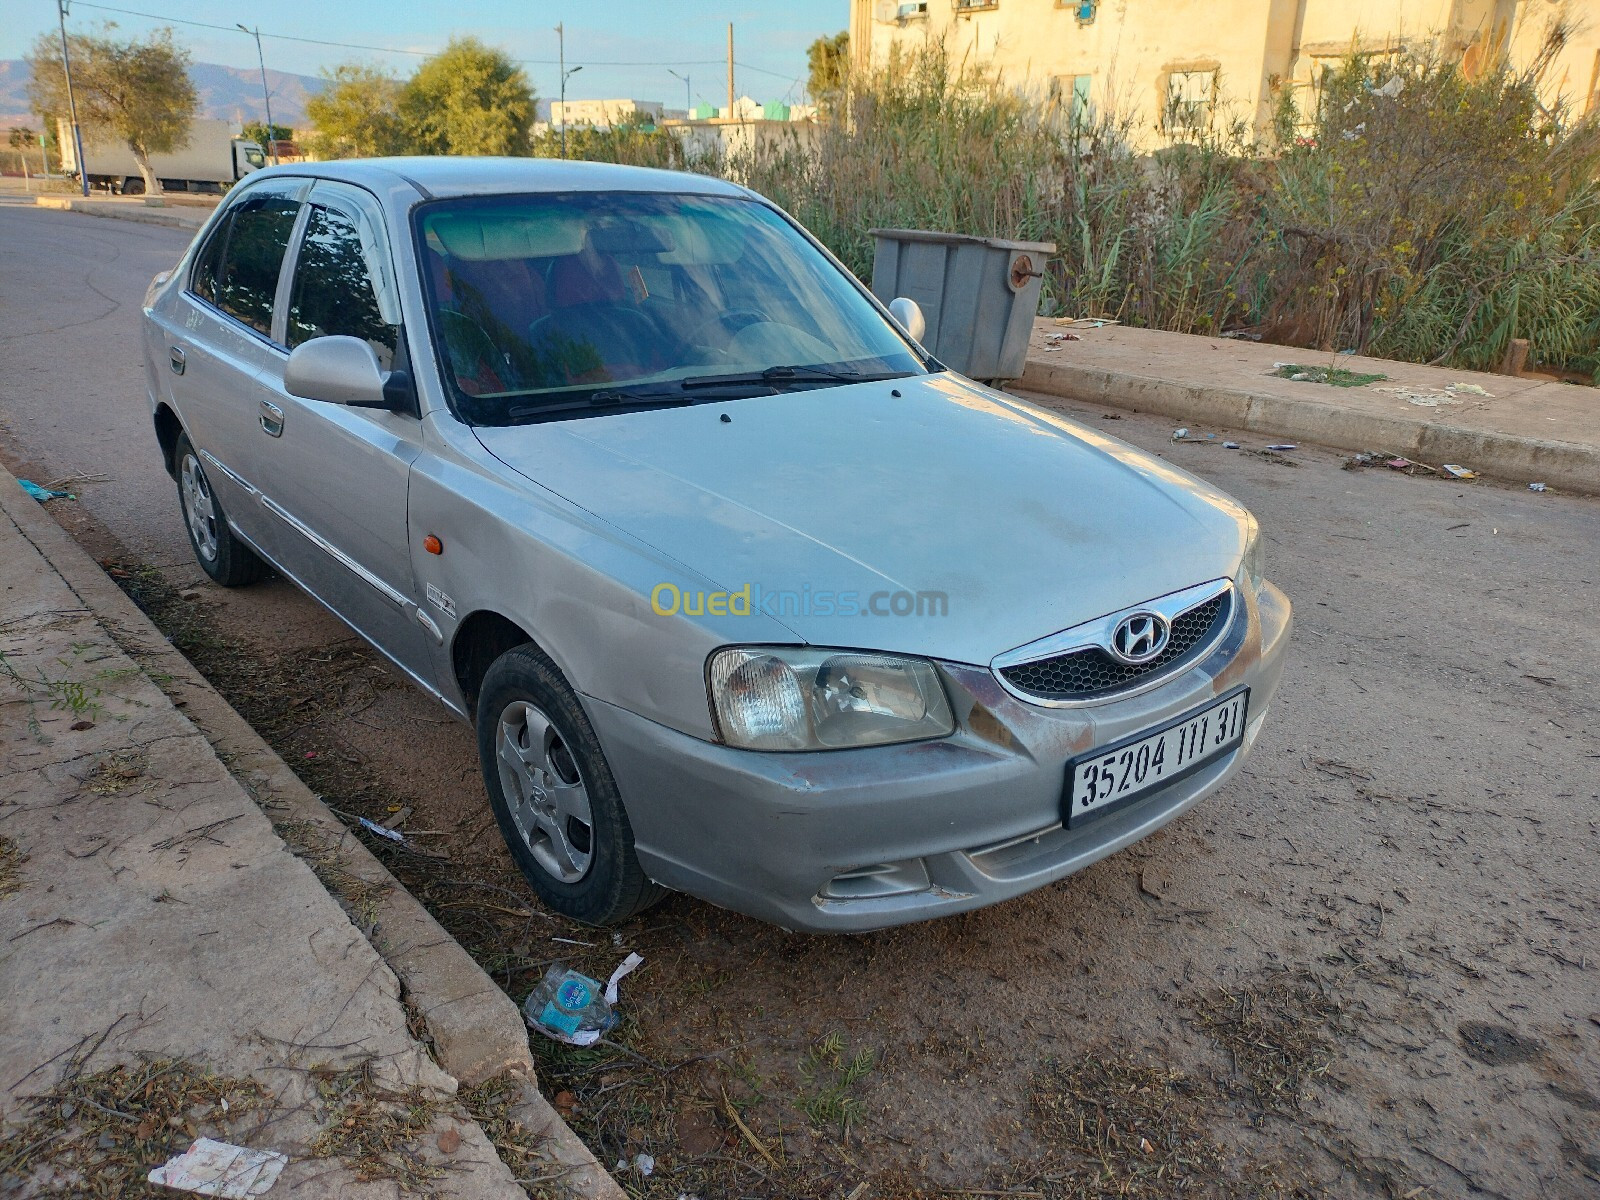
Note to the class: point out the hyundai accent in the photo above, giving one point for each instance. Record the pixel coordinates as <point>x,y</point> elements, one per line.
<point>743,592</point>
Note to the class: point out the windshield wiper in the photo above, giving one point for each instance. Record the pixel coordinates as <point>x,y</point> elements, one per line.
<point>775,376</point>
<point>616,399</point>
<point>603,399</point>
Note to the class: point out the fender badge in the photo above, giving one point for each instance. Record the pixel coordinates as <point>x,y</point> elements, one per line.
<point>440,601</point>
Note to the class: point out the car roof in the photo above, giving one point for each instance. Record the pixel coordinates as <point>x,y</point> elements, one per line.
<point>451,176</point>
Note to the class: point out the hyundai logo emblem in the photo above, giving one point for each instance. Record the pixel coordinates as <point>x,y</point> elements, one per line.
<point>1140,638</point>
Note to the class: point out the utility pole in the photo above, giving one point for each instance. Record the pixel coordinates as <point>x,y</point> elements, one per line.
<point>730,70</point>
<point>72,104</point>
<point>266,96</point>
<point>561,34</point>
<point>688,100</point>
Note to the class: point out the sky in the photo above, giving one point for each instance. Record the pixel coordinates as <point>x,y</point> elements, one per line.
<point>649,36</point>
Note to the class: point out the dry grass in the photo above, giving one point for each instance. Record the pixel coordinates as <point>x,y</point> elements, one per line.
<point>116,772</point>
<point>491,1105</point>
<point>375,1131</point>
<point>319,849</point>
<point>1129,1128</point>
<point>98,1134</point>
<point>1278,1032</point>
<point>11,860</point>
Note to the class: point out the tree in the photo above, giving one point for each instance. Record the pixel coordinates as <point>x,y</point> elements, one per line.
<point>357,115</point>
<point>468,99</point>
<point>23,139</point>
<point>135,91</point>
<point>261,133</point>
<point>829,60</point>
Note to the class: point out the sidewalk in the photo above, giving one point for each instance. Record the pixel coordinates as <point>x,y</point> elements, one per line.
<point>154,211</point>
<point>151,912</point>
<point>1523,431</point>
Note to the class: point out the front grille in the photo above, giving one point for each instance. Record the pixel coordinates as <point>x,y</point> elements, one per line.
<point>1086,674</point>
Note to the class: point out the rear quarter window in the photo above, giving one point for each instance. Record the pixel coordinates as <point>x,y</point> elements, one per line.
<point>203,279</point>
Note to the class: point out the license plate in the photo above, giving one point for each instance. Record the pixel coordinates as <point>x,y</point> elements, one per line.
<point>1118,774</point>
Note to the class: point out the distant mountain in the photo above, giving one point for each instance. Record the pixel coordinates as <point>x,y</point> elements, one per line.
<point>226,93</point>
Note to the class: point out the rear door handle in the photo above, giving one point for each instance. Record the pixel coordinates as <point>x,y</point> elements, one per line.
<point>175,357</point>
<point>271,419</point>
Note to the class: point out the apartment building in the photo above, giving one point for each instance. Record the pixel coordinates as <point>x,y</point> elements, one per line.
<point>603,114</point>
<point>1174,63</point>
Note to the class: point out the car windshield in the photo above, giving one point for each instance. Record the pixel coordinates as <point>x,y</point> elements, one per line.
<point>544,304</point>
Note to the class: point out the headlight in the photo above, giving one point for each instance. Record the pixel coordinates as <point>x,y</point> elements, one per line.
<point>783,698</point>
<point>1254,566</point>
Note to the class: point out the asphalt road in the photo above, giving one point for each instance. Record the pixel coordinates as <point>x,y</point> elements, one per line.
<point>1417,830</point>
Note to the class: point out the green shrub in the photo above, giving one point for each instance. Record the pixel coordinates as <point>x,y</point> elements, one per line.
<point>1417,213</point>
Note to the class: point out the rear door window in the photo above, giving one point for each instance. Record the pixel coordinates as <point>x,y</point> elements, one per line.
<point>334,290</point>
<point>257,241</point>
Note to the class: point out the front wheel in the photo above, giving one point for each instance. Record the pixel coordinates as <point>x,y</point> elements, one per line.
<point>221,555</point>
<point>553,795</point>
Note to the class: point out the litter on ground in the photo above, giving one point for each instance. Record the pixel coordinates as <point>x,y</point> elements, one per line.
<point>1536,487</point>
<point>1230,445</point>
<point>41,494</point>
<point>1457,471</point>
<point>569,1007</point>
<point>1179,434</point>
<point>394,835</point>
<point>213,1168</point>
<point>1428,397</point>
<point>1283,446</point>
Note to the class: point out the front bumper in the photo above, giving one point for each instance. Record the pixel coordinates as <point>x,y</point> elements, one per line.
<point>852,840</point>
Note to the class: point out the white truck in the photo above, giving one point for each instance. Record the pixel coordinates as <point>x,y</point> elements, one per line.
<point>214,159</point>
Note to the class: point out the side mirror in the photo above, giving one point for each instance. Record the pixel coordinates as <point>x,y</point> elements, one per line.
<point>909,317</point>
<point>339,370</point>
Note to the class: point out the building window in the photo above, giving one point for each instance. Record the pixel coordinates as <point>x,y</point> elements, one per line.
<point>1084,10</point>
<point>1191,100</point>
<point>975,5</point>
<point>1075,90</point>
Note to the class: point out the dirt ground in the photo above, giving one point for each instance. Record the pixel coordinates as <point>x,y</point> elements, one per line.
<point>1366,967</point>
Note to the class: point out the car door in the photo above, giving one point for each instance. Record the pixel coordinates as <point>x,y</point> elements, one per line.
<point>335,478</point>
<point>218,337</point>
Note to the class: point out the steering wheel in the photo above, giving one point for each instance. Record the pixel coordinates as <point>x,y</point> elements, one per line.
<point>733,321</point>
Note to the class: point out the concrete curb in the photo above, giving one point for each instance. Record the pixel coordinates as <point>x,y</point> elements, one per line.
<point>123,211</point>
<point>476,1030</point>
<point>1571,466</point>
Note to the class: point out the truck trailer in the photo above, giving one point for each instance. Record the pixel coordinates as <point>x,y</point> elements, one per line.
<point>214,160</point>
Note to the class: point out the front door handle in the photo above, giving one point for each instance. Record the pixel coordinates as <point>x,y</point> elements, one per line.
<point>271,419</point>
<point>175,357</point>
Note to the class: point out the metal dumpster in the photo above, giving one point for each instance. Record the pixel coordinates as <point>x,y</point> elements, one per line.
<point>978,295</point>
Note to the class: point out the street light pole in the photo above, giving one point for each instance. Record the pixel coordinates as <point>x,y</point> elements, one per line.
<point>72,103</point>
<point>266,96</point>
<point>688,100</point>
<point>561,38</point>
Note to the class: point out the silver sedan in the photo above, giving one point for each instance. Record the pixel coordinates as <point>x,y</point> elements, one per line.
<point>744,593</point>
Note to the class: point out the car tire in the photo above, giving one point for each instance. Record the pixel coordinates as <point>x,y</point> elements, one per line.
<point>553,793</point>
<point>220,554</point>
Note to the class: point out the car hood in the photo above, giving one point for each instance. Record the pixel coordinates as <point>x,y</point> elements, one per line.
<point>838,497</point>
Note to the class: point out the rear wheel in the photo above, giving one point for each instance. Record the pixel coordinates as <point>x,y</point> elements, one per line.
<point>553,795</point>
<point>221,555</point>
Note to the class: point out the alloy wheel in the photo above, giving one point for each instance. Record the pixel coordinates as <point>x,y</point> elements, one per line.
<point>544,791</point>
<point>199,508</point>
